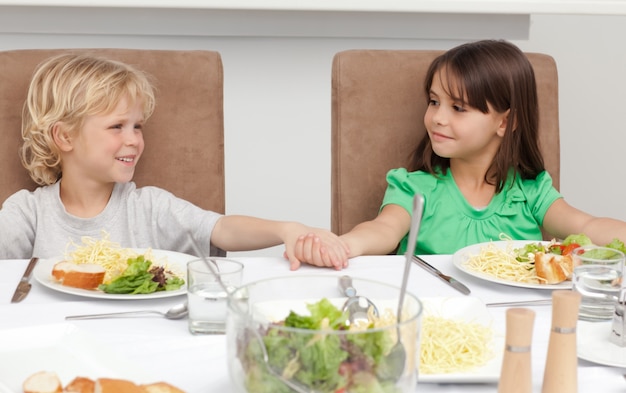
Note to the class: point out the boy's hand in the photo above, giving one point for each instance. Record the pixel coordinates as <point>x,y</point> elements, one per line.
<point>318,247</point>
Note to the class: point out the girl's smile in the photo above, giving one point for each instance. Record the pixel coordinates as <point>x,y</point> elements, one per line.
<point>438,137</point>
<point>457,130</point>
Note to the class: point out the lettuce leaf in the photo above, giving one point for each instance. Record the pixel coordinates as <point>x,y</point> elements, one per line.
<point>617,245</point>
<point>136,279</point>
<point>173,283</point>
<point>581,239</point>
<point>320,311</point>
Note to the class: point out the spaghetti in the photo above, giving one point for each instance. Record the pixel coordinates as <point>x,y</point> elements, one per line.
<point>453,346</point>
<point>502,263</point>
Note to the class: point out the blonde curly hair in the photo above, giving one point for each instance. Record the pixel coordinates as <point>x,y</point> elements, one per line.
<point>69,88</point>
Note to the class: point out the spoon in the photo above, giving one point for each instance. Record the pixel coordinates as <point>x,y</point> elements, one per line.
<point>357,306</point>
<point>396,360</point>
<point>179,311</point>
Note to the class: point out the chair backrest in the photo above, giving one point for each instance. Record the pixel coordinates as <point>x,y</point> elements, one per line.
<point>184,138</point>
<point>378,106</point>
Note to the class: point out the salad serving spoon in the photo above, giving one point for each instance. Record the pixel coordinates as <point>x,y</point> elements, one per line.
<point>396,359</point>
<point>356,306</point>
<point>179,311</point>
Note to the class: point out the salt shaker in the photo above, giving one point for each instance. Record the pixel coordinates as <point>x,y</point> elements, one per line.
<point>515,376</point>
<point>618,330</point>
<point>560,373</point>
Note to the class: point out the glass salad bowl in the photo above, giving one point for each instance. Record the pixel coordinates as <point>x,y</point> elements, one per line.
<point>290,334</point>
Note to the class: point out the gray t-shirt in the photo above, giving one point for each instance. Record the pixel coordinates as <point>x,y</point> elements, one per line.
<point>36,223</point>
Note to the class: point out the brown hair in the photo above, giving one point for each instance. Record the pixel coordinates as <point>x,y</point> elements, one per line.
<point>68,88</point>
<point>498,73</point>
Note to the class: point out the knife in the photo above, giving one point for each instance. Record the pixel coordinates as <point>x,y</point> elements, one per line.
<point>536,302</point>
<point>447,279</point>
<point>23,287</point>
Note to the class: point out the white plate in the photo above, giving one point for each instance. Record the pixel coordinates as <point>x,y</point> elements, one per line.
<point>175,260</point>
<point>466,309</point>
<point>593,344</point>
<point>461,256</point>
<point>63,349</point>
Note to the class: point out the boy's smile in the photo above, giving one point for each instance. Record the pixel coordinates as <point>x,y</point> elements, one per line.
<point>108,147</point>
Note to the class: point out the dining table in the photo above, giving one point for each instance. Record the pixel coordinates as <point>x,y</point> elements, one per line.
<point>151,348</point>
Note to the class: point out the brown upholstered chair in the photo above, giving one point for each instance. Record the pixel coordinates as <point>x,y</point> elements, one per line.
<point>378,107</point>
<point>184,138</point>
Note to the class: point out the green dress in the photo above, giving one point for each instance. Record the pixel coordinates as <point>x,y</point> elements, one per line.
<point>450,223</point>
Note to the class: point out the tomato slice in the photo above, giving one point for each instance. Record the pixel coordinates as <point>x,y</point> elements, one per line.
<point>556,249</point>
<point>569,248</point>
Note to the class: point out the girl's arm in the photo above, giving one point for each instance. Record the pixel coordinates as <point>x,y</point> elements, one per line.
<point>381,235</point>
<point>562,220</point>
<point>245,233</point>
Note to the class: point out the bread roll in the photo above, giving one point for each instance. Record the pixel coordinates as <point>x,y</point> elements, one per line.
<point>111,385</point>
<point>43,382</point>
<point>49,382</point>
<point>553,268</point>
<point>161,387</point>
<point>80,385</point>
<point>84,276</point>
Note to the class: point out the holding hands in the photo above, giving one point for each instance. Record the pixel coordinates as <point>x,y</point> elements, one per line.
<point>318,247</point>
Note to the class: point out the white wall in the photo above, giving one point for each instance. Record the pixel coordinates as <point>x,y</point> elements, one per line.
<point>277,88</point>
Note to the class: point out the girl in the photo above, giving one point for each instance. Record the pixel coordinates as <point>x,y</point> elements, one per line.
<point>480,168</point>
<point>82,129</point>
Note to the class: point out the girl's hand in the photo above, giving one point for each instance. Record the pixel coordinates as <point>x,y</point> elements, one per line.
<point>318,247</point>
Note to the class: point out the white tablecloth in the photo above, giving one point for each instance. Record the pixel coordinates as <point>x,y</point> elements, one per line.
<point>158,349</point>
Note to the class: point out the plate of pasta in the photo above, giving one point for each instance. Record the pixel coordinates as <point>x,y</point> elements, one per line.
<point>496,262</point>
<point>465,324</point>
<point>102,269</point>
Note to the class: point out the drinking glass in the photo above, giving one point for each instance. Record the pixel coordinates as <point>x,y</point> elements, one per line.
<point>206,298</point>
<point>597,277</point>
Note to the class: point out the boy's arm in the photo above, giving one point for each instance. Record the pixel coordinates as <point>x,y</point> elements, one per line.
<point>244,233</point>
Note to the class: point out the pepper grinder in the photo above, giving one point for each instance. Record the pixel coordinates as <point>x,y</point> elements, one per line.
<point>561,374</point>
<point>515,376</point>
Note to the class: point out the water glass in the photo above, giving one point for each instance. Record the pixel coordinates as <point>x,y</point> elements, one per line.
<point>206,297</point>
<point>597,277</point>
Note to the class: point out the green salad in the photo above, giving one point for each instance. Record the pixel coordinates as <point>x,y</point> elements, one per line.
<point>569,244</point>
<point>141,277</point>
<point>319,361</point>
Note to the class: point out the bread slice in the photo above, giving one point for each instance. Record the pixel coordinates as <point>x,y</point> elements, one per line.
<point>42,382</point>
<point>112,385</point>
<point>553,268</point>
<point>59,269</point>
<point>84,276</point>
<point>81,385</point>
<point>161,387</point>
